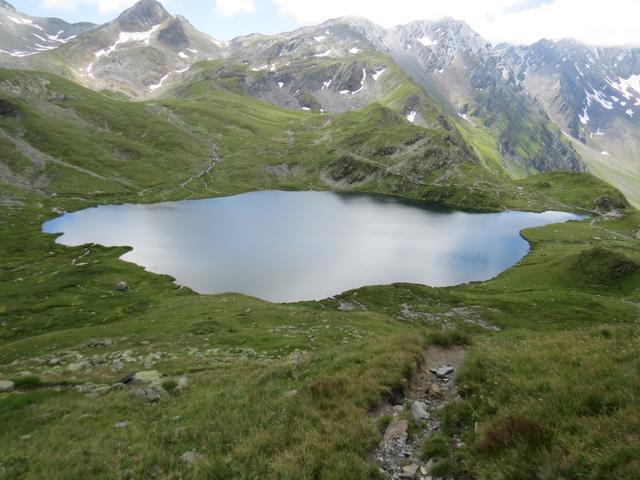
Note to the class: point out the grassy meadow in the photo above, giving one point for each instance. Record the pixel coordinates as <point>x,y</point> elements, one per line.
<point>549,390</point>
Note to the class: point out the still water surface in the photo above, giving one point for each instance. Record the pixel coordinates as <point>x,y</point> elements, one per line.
<point>290,246</point>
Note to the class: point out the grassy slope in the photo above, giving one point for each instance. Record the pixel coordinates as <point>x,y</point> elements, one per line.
<point>433,163</point>
<point>241,412</point>
<point>114,142</point>
<point>626,180</point>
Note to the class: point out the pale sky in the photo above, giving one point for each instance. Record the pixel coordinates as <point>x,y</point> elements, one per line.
<point>614,22</point>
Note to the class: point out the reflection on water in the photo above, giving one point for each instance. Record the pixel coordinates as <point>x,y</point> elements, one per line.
<point>289,246</point>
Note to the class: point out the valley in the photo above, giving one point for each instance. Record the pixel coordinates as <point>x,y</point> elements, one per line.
<point>111,371</point>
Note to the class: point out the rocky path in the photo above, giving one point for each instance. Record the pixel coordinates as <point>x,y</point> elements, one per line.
<point>398,454</point>
<point>202,175</point>
<point>206,169</point>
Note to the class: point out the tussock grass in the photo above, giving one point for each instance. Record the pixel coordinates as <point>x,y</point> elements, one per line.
<point>555,406</point>
<point>448,339</point>
<point>554,393</point>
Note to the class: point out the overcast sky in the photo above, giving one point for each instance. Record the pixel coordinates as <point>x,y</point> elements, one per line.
<point>611,22</point>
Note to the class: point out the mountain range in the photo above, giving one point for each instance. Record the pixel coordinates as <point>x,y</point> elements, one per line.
<point>111,371</point>
<point>515,110</point>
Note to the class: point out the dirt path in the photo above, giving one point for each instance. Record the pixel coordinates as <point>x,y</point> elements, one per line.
<point>206,169</point>
<point>201,175</point>
<point>398,454</point>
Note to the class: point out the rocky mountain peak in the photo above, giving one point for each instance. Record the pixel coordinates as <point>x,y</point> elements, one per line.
<point>143,16</point>
<point>7,6</point>
<point>455,35</point>
<point>362,26</point>
<point>173,35</point>
<point>350,20</point>
<point>182,20</point>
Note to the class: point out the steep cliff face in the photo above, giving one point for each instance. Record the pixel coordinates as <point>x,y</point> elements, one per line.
<point>593,95</point>
<point>474,80</point>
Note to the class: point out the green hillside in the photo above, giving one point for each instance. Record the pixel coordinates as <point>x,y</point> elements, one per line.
<point>255,390</point>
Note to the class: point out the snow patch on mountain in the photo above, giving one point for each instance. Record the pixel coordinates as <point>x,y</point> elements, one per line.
<point>378,74</point>
<point>584,118</point>
<point>362,82</point>
<point>628,87</point>
<point>44,40</point>
<point>426,41</point>
<point>159,84</point>
<point>25,21</point>
<point>599,98</point>
<point>127,37</point>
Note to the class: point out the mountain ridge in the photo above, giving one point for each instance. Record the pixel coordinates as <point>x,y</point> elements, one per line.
<point>496,95</point>
<point>22,35</point>
<point>111,371</point>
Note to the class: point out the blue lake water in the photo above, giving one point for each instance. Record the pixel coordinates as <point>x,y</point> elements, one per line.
<point>290,246</point>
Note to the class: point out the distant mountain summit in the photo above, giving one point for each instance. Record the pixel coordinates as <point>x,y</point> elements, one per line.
<point>7,6</point>
<point>22,35</point>
<point>591,85</point>
<point>593,94</point>
<point>136,54</point>
<point>451,60</point>
<point>143,16</point>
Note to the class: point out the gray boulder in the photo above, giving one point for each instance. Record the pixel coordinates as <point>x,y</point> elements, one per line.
<point>419,413</point>
<point>397,430</point>
<point>182,384</point>
<point>409,471</point>
<point>121,287</point>
<point>99,342</point>
<point>191,458</point>
<point>149,394</point>
<point>435,390</point>
<point>6,386</point>
<point>443,372</point>
<point>146,376</point>
<point>92,389</point>
<point>78,367</point>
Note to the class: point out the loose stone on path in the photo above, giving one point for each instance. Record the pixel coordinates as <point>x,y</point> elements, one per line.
<point>443,372</point>
<point>397,430</point>
<point>419,413</point>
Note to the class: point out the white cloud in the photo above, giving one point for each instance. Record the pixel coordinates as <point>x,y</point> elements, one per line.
<point>523,21</point>
<point>234,7</point>
<point>104,6</point>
